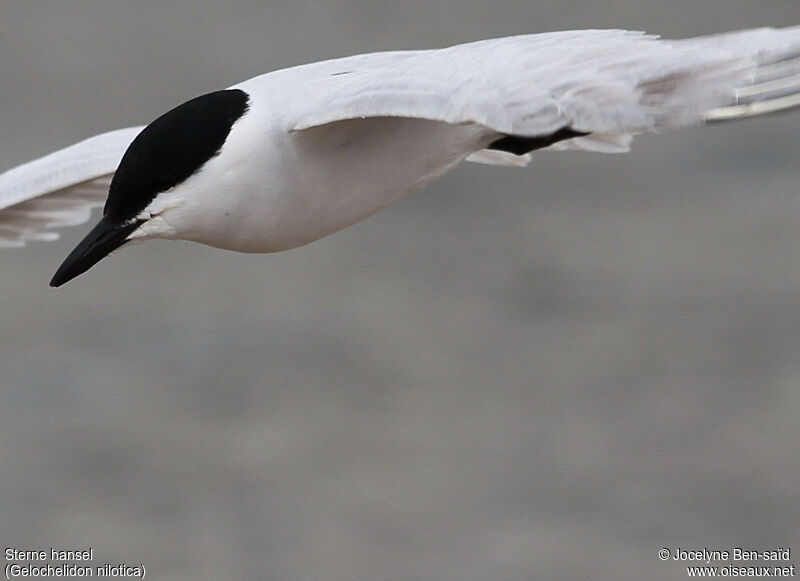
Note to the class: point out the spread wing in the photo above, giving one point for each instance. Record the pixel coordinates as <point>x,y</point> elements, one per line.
<point>60,189</point>
<point>610,84</point>
<point>606,84</point>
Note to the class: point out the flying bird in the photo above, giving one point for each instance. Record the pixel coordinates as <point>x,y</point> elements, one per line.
<point>290,156</point>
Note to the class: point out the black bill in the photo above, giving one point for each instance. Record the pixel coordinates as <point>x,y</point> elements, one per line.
<point>104,238</point>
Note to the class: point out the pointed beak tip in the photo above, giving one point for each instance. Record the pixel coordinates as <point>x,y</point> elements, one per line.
<point>61,277</point>
<point>56,281</point>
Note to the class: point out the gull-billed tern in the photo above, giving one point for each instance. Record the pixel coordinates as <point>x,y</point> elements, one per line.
<point>291,156</point>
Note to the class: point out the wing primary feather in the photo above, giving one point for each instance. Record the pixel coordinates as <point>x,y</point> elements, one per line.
<point>59,189</point>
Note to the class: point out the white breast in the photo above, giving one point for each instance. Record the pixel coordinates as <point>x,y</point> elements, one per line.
<point>272,189</point>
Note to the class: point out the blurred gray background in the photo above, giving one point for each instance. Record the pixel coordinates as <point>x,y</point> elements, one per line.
<point>546,373</point>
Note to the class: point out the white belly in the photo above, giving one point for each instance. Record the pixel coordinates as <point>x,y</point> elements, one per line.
<point>298,187</point>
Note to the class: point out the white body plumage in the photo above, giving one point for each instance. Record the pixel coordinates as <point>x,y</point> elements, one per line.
<point>288,157</point>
